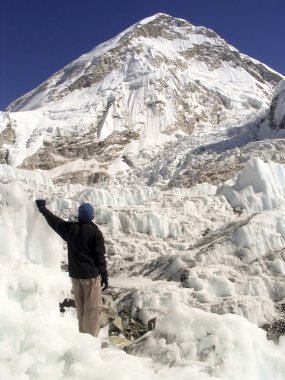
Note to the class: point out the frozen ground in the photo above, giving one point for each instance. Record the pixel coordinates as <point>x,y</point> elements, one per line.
<point>211,276</point>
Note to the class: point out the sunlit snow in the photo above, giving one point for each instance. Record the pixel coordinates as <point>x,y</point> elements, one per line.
<point>37,342</point>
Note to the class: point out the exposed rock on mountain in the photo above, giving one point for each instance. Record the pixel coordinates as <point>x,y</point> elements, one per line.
<point>275,119</point>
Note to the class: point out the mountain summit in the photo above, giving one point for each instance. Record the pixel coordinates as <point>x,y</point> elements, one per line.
<point>159,77</point>
<point>156,45</point>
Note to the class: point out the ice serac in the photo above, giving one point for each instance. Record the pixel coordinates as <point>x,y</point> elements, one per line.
<point>188,336</point>
<point>160,76</point>
<point>36,342</point>
<point>275,119</point>
<point>211,282</point>
<point>259,187</point>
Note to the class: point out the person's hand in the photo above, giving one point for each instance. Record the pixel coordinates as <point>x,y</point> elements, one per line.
<point>104,281</point>
<point>41,203</point>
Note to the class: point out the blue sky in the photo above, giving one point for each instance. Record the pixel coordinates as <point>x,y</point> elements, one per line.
<point>39,37</point>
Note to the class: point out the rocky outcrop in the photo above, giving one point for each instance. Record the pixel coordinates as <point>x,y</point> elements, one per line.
<point>217,168</point>
<point>7,137</point>
<point>122,328</point>
<point>276,117</point>
<point>59,151</point>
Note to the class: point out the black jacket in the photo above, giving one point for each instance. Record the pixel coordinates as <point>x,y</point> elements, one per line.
<point>85,243</point>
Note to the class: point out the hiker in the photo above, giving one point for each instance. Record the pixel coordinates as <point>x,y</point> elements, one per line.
<point>86,263</point>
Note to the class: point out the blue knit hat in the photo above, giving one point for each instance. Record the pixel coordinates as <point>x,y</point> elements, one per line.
<point>86,211</point>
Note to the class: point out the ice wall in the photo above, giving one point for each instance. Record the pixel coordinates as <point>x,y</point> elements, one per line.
<point>234,348</point>
<point>260,186</point>
<point>32,179</point>
<point>36,342</point>
<point>273,126</point>
<point>279,97</point>
<point>119,196</point>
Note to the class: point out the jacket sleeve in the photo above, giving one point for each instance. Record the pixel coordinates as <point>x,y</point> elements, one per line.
<point>60,226</point>
<point>99,252</point>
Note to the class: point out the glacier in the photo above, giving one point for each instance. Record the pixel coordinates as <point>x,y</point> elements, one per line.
<point>224,293</point>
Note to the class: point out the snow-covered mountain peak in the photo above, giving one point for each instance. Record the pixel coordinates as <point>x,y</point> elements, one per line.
<point>162,35</point>
<point>160,77</point>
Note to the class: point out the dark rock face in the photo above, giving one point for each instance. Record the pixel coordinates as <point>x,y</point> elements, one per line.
<point>90,76</point>
<point>83,177</point>
<point>275,124</point>
<point>162,26</point>
<point>276,329</point>
<point>260,72</point>
<point>214,56</point>
<point>59,151</point>
<point>7,136</point>
<point>3,156</point>
<point>218,168</point>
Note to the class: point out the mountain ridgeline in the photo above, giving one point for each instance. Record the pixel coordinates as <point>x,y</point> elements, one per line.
<point>160,78</point>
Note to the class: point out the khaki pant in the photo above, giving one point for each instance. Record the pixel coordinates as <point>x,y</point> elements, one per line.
<point>88,302</point>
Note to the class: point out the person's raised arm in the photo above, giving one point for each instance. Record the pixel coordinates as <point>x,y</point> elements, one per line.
<point>60,226</point>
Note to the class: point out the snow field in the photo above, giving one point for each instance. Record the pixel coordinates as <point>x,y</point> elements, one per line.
<point>164,215</point>
<point>209,289</point>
